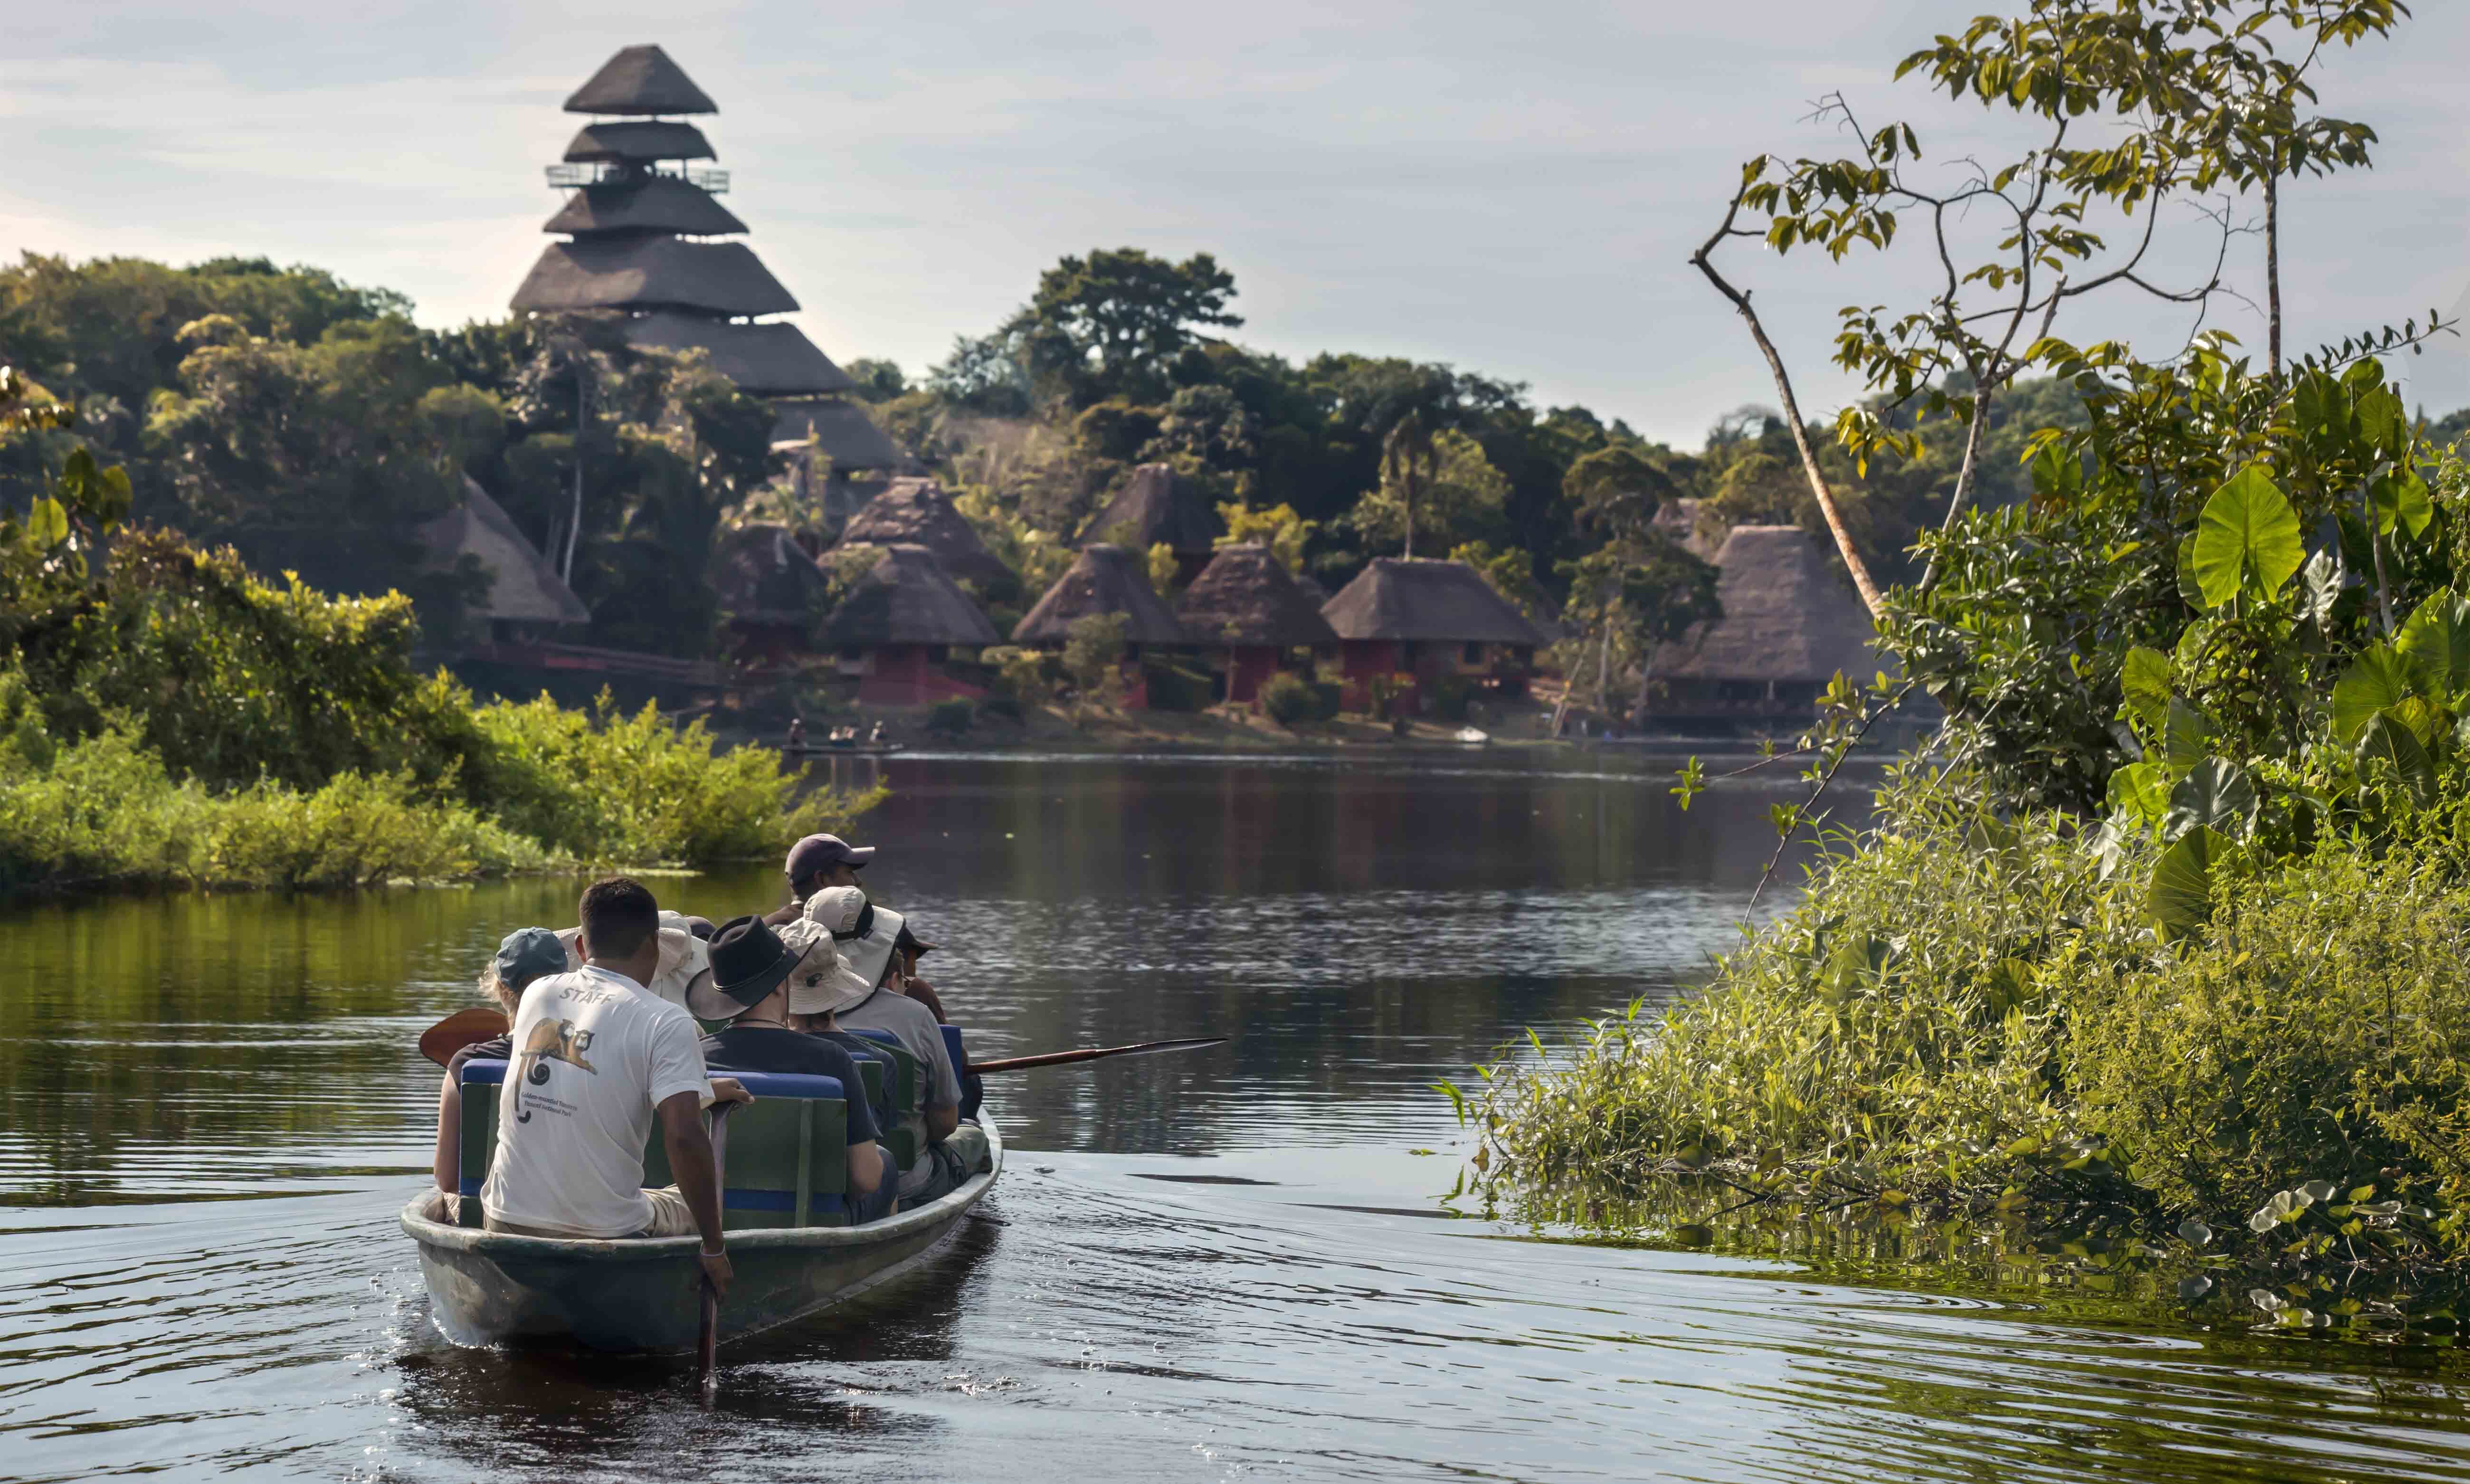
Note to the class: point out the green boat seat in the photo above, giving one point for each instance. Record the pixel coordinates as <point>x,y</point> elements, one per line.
<point>786,1161</point>
<point>906,1138</point>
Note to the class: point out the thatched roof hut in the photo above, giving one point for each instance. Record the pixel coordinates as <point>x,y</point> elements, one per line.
<point>523,587</point>
<point>1157,505</point>
<point>641,80</point>
<point>846,436</point>
<point>1245,597</point>
<point>917,512</point>
<point>639,140</point>
<point>764,360</point>
<point>907,599</point>
<point>1102,579</point>
<point>652,272</point>
<point>1415,599</point>
<point>1789,617</point>
<point>763,576</point>
<point>644,203</point>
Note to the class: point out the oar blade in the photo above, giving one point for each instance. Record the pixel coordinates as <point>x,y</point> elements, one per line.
<point>464,1028</point>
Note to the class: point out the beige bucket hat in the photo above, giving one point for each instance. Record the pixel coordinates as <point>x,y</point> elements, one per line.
<point>864,933</point>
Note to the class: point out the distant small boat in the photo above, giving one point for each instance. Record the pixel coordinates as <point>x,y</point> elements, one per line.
<point>1472,736</point>
<point>843,748</point>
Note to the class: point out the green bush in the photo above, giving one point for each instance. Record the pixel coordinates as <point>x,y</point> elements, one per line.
<point>2320,1031</point>
<point>609,788</point>
<point>951,718</point>
<point>105,812</point>
<point>1333,695</point>
<point>1904,1014</point>
<point>1290,699</point>
<point>1451,694</point>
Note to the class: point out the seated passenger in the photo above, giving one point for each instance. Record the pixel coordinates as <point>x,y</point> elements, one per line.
<point>685,957</point>
<point>523,956</point>
<point>597,1060</point>
<point>866,935</point>
<point>751,974</point>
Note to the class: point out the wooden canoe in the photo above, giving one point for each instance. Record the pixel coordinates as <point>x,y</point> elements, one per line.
<point>645,1294</point>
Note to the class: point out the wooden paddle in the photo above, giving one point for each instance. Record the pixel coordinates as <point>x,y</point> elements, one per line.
<point>1092,1053</point>
<point>464,1028</point>
<point>708,1342</point>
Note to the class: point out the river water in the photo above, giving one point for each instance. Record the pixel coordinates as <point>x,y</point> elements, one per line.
<point>1231,1264</point>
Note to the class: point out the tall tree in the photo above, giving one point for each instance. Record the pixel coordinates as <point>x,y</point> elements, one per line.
<point>1116,322</point>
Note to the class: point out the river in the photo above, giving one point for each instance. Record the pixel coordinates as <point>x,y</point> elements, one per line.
<point>1231,1264</point>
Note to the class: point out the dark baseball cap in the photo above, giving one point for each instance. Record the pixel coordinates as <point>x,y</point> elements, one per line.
<point>818,852</point>
<point>527,954</point>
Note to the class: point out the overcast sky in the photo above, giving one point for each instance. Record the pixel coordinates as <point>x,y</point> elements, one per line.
<point>1511,189</point>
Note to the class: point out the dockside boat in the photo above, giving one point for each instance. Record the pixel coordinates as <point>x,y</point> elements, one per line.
<point>789,1259</point>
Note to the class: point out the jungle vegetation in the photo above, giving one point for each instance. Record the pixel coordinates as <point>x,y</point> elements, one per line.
<point>2149,960</point>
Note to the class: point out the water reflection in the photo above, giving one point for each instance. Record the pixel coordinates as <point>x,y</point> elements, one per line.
<point>1216,1263</point>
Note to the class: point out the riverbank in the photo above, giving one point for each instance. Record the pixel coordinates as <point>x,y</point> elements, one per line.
<point>1967,1024</point>
<point>172,721</point>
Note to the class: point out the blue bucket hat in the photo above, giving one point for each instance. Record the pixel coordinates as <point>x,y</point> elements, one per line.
<point>526,954</point>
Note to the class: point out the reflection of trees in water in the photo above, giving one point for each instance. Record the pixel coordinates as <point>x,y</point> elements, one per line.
<point>1361,928</point>
<point>142,1027</point>
<point>579,1410</point>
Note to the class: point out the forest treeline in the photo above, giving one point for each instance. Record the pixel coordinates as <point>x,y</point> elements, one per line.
<point>310,423</point>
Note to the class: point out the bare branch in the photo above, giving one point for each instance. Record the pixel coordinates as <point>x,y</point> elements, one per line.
<point>1852,554</point>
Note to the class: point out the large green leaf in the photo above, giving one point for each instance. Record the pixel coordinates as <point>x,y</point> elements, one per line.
<point>47,524</point>
<point>2182,896</point>
<point>2378,681</point>
<point>2437,642</point>
<point>2144,678</point>
<point>2218,795</point>
<point>2402,498</point>
<point>2246,526</point>
<point>2136,793</point>
<point>2187,738</point>
<point>2388,740</point>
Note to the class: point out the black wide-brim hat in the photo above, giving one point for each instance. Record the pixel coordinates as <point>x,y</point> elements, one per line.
<point>749,960</point>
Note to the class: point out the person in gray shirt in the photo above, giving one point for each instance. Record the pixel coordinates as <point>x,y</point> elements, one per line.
<point>868,997</point>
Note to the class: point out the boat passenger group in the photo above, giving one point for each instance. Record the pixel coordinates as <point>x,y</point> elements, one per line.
<point>605,1044</point>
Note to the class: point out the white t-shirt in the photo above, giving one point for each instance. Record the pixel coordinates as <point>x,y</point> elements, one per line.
<point>595,1054</point>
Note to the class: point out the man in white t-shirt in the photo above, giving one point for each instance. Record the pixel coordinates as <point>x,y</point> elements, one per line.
<point>598,1058</point>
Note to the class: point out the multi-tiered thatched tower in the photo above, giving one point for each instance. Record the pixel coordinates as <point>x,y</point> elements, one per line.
<point>644,237</point>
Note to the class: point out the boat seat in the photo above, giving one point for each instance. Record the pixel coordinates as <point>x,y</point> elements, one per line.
<point>786,1165</point>
<point>906,1139</point>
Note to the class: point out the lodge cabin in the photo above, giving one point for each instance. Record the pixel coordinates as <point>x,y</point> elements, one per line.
<point>917,512</point>
<point>642,238</point>
<point>1423,622</point>
<point>526,601</point>
<point>772,593</point>
<point>1106,579</point>
<point>1790,623</point>
<point>1158,506</point>
<point>1253,618</point>
<point>899,626</point>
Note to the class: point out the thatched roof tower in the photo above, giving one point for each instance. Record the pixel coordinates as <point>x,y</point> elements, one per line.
<point>1102,579</point>
<point>638,229</point>
<point>1416,599</point>
<point>1156,506</point>
<point>1245,597</point>
<point>641,80</point>
<point>523,587</point>
<point>908,598</point>
<point>917,512</point>
<point>763,576</point>
<point>1788,617</point>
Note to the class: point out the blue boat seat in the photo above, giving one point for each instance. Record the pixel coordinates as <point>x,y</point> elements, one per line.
<point>786,1161</point>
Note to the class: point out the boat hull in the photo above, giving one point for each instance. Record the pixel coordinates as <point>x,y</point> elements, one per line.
<point>487,1287</point>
